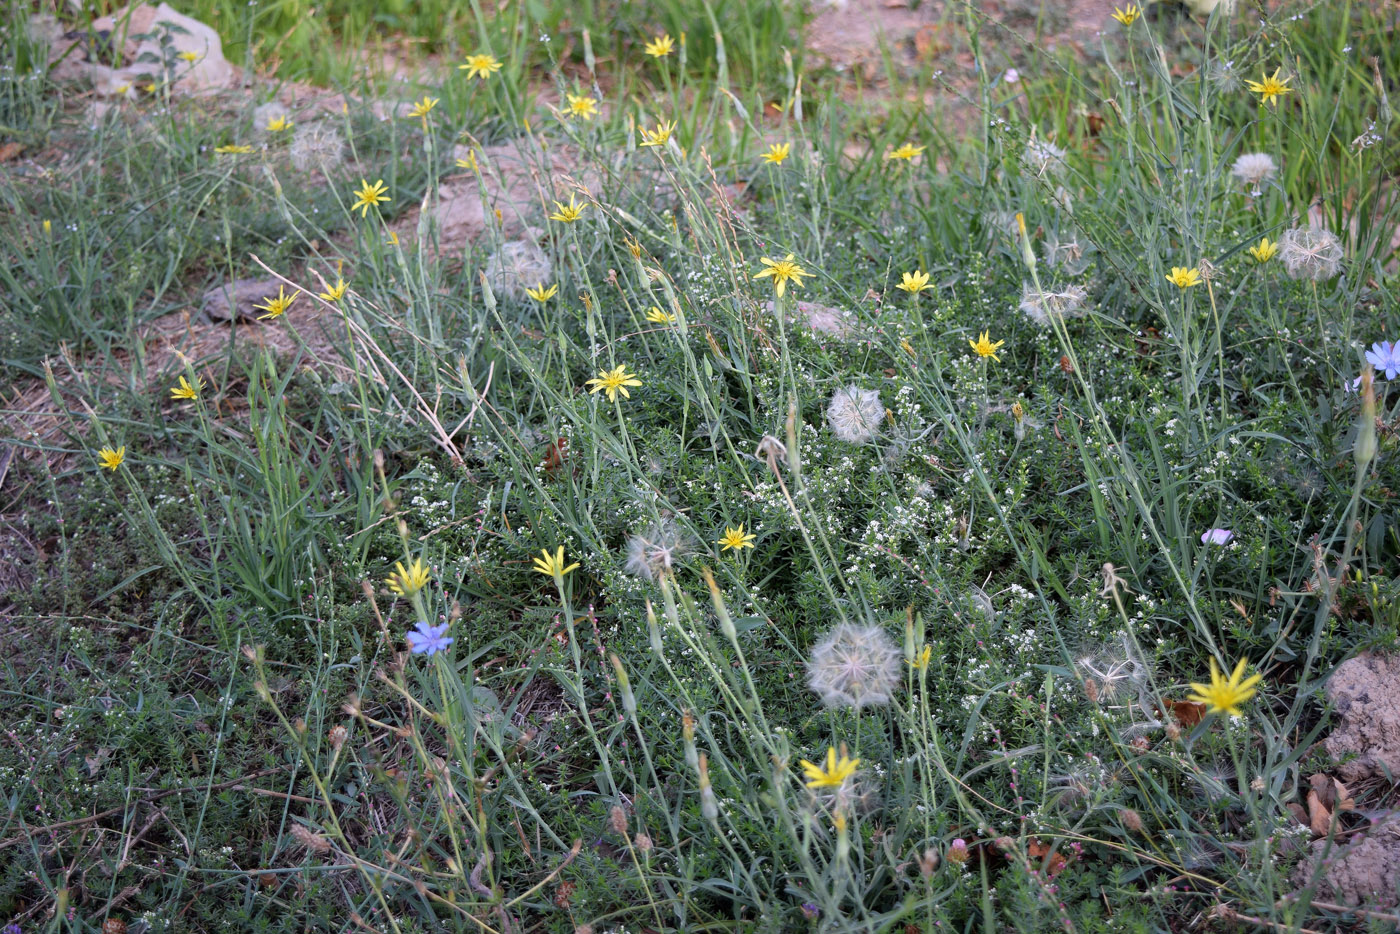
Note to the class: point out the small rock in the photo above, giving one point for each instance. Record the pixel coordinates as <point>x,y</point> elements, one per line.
<point>1362,873</point>
<point>236,299</point>
<point>209,70</point>
<point>1366,741</point>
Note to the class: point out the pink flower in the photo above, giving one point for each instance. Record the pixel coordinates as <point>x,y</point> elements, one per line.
<point>1217,537</point>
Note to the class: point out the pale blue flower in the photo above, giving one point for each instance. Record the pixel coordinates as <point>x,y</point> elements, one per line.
<point>429,640</point>
<point>1217,537</point>
<point>1384,355</point>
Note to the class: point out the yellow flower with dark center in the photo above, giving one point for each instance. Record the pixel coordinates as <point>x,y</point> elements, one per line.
<point>424,107</point>
<point>553,564</point>
<point>1128,15</point>
<point>914,283</point>
<point>568,213</point>
<point>906,152</point>
<point>660,47</point>
<point>185,390</point>
<point>780,271</point>
<point>541,294</point>
<point>480,66</point>
<point>336,292</point>
<point>777,153</point>
<point>1224,695</point>
<point>276,307</point>
<point>233,150</point>
<point>984,346</point>
<point>112,459</point>
<point>833,775</point>
<point>1265,251</point>
<point>581,105</point>
<point>736,539</point>
<point>657,316</point>
<point>408,581</point>
<point>278,125</point>
<point>1184,278</point>
<point>658,136</point>
<point>370,196</point>
<point>613,382</point>
<point>1269,87</point>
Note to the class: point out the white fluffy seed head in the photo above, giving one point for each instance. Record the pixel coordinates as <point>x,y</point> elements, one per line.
<point>1043,158</point>
<point>518,265</point>
<point>1043,307</point>
<point>854,666</point>
<point>1254,169</point>
<point>1310,253</point>
<point>657,551</point>
<point>855,414</point>
<point>316,147</point>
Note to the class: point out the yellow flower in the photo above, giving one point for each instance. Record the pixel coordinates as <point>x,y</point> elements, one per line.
<point>1128,15</point>
<point>278,124</point>
<point>188,56</point>
<point>659,47</point>
<point>906,152</point>
<point>480,66</point>
<point>336,292</point>
<point>232,150</point>
<point>1265,251</point>
<point>613,382</point>
<point>984,346</point>
<point>48,227</point>
<point>469,162</point>
<point>634,247</point>
<point>581,105</point>
<point>392,239</point>
<point>568,213</point>
<point>776,153</point>
<point>736,539</point>
<point>553,564</point>
<point>781,271</point>
<point>835,773</point>
<point>276,307</point>
<point>408,581</point>
<point>1269,87</point>
<point>659,136</point>
<point>185,390</point>
<point>657,316</point>
<point>541,294</point>
<point>369,196</point>
<point>112,459</point>
<point>424,107</point>
<point>1184,278</point>
<point>1224,695</point>
<point>920,661</point>
<point>914,283</point>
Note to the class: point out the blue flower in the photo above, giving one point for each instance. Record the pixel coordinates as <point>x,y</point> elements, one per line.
<point>1383,355</point>
<point>429,640</point>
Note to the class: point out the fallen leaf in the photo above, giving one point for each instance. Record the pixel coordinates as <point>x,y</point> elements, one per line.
<point>9,151</point>
<point>1188,713</point>
<point>1319,818</point>
<point>95,761</point>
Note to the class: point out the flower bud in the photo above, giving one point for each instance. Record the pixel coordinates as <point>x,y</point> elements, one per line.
<point>957,851</point>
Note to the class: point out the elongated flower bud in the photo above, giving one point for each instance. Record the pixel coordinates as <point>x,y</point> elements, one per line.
<point>629,702</point>
<point>709,807</point>
<point>1365,450</point>
<point>1027,254</point>
<point>726,623</point>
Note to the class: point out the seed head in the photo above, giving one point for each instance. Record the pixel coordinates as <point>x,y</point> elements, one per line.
<point>1043,158</point>
<point>1254,169</point>
<point>517,266</point>
<point>854,666</point>
<point>1310,253</point>
<point>316,147</point>
<point>1044,307</point>
<point>657,551</point>
<point>855,414</point>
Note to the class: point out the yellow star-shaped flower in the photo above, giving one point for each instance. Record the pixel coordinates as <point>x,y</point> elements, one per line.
<point>369,196</point>
<point>659,47</point>
<point>110,458</point>
<point>657,316</point>
<point>480,66</point>
<point>581,105</point>
<point>336,292</point>
<point>914,283</point>
<point>278,125</point>
<point>408,581</point>
<point>613,382</point>
<point>1265,251</point>
<point>1128,15</point>
<point>736,539</point>
<point>278,306</point>
<point>780,271</point>
<point>424,107</point>
<point>1184,278</point>
<point>233,150</point>
<point>984,346</point>
<point>1269,87</point>
<point>658,136</point>
<point>185,390</point>
<point>833,775</point>
<point>568,213</point>
<point>777,153</point>
<point>553,564</point>
<point>906,152</point>
<point>1225,695</point>
<point>541,294</point>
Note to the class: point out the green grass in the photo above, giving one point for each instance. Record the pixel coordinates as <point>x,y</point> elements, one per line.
<point>213,721</point>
